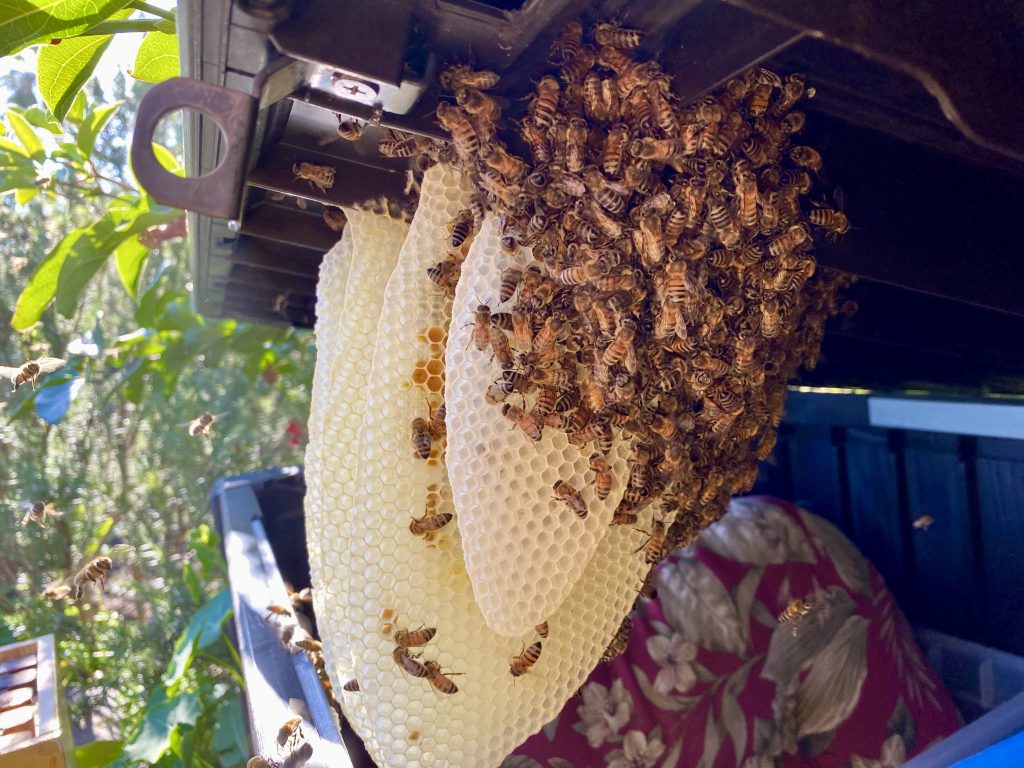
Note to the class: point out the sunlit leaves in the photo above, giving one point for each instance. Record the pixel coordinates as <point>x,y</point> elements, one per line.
<point>92,124</point>
<point>26,135</point>
<point>98,754</point>
<point>24,22</point>
<point>157,58</point>
<point>42,287</point>
<point>130,256</point>
<point>62,70</point>
<point>164,717</point>
<point>203,631</point>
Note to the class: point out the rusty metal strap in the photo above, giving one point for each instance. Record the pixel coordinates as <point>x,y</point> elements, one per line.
<point>219,192</point>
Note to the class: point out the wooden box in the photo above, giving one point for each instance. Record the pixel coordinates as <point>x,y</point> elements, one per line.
<point>32,734</point>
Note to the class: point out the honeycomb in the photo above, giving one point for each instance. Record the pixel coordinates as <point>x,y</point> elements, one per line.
<point>502,480</point>
<point>426,583</point>
<point>349,310</point>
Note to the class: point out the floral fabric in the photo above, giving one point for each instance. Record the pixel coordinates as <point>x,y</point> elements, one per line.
<point>712,679</point>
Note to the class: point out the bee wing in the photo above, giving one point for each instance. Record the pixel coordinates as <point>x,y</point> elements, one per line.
<point>9,373</point>
<point>26,518</point>
<point>49,364</point>
<point>52,511</point>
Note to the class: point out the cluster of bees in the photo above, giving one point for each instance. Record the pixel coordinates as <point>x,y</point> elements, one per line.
<point>673,289</point>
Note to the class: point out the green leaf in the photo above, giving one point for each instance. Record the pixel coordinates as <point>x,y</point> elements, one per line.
<point>76,114</point>
<point>157,58</point>
<point>229,732</point>
<point>192,584</point>
<point>40,290</point>
<point>163,717</point>
<point>23,195</point>
<point>26,135</point>
<point>98,754</point>
<point>93,124</point>
<point>96,245</point>
<point>25,22</point>
<point>167,159</point>
<point>41,119</point>
<point>130,256</point>
<point>202,631</point>
<point>62,70</point>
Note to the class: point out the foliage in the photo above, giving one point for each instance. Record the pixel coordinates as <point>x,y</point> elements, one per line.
<point>93,270</point>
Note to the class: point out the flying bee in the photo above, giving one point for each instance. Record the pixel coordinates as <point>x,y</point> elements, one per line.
<point>421,526</point>
<point>567,44</point>
<point>200,427</point>
<point>794,613</point>
<point>653,548</point>
<point>521,664</point>
<point>37,512</point>
<point>806,157</point>
<point>619,642</point>
<point>439,679</point>
<point>833,222</point>
<point>56,591</point>
<point>406,639</point>
<point>457,76</point>
<point>924,522</point>
<point>352,686</point>
<point>95,571</point>
<point>290,731</point>
<point>610,33</point>
<point>30,372</point>
<point>522,419</point>
<point>544,104</point>
<point>351,129</point>
<point>565,492</point>
<point>319,176</point>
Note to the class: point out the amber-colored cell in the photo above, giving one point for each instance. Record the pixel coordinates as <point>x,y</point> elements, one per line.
<point>435,383</point>
<point>414,736</point>
<point>419,376</point>
<point>436,334</point>
<point>435,367</point>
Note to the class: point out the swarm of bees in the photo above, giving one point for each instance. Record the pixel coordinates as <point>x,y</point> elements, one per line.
<point>673,289</point>
<point>30,372</point>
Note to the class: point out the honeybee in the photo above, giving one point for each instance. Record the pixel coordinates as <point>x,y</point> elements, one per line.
<point>544,340</point>
<point>523,420</point>
<point>421,526</point>
<point>458,76</point>
<point>537,138</point>
<point>619,642</point>
<point>94,571</point>
<point>542,629</point>
<point>653,548</point>
<point>784,245</point>
<point>460,227</point>
<point>290,731</point>
<point>403,147</point>
<point>408,662</point>
<point>567,44</point>
<point>299,756</point>
<point>544,104</point>
<point>521,664</point>
<point>37,512</point>
<point>833,222</point>
<point>276,609</point>
<point>603,475</point>
<point>424,433</point>
<point>464,135</point>
<point>56,591</point>
<point>575,144</point>
<point>445,274</point>
<point>334,218</point>
<point>352,686</point>
<point>351,129</point>
<point>439,679</point>
<point>31,371</point>
<point>621,348</point>
<point>478,103</point>
<point>319,176</point>
<point>806,157</point>
<point>405,639</point>
<point>508,165</point>
<point>565,492</point>
<point>794,612</point>
<point>610,33</point>
<point>200,427</point>
<point>924,522</point>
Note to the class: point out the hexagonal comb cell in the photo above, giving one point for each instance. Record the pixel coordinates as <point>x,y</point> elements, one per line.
<point>388,571</point>
<point>496,516</point>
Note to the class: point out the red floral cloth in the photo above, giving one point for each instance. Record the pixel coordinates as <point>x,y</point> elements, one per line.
<point>712,679</point>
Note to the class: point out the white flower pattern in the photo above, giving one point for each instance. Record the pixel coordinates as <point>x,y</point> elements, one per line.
<point>894,753</point>
<point>604,711</point>
<point>673,654</point>
<point>638,751</point>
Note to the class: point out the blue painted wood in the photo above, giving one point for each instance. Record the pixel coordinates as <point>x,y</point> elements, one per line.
<point>1008,753</point>
<point>874,505</point>
<point>1000,466</point>
<point>814,469</point>
<point>945,593</point>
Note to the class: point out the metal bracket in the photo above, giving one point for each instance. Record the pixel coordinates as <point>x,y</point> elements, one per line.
<point>217,193</point>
